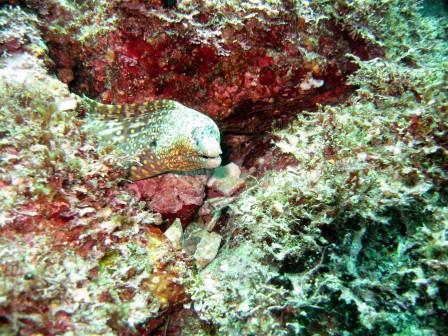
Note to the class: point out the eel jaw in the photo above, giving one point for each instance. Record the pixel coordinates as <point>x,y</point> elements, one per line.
<point>210,152</point>
<point>211,162</point>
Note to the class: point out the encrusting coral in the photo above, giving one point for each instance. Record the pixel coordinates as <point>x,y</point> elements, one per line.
<point>342,232</point>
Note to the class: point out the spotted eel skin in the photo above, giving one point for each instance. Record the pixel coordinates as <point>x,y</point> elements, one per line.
<point>157,137</point>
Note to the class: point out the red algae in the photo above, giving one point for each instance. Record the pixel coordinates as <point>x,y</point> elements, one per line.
<point>77,233</point>
<point>172,196</point>
<point>205,61</point>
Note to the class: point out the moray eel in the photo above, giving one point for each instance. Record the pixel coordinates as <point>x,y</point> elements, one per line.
<point>157,137</point>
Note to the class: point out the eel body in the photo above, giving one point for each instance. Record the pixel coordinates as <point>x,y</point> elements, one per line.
<point>156,137</point>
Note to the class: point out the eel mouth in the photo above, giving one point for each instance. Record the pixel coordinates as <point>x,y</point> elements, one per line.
<point>211,161</point>
<point>209,152</point>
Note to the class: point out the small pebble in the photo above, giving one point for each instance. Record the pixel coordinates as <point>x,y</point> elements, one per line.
<point>207,248</point>
<point>175,233</point>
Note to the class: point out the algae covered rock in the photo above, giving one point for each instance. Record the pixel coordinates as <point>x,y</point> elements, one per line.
<point>207,248</point>
<point>173,196</point>
<point>339,243</point>
<point>78,252</point>
<point>338,110</point>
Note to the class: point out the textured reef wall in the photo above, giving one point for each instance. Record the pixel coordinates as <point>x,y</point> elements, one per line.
<point>232,60</point>
<point>352,240</point>
<point>334,223</point>
<point>78,252</point>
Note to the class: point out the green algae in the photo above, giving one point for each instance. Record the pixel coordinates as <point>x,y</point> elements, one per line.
<point>343,243</point>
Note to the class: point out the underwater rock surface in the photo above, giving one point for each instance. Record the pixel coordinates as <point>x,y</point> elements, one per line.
<point>173,196</point>
<point>331,217</point>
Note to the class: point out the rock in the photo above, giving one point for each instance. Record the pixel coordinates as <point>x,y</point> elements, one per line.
<point>174,233</point>
<point>212,210</point>
<point>173,196</point>
<point>65,75</point>
<point>310,83</point>
<point>185,322</point>
<point>227,171</point>
<point>68,103</point>
<point>226,180</point>
<point>259,156</point>
<point>207,249</point>
<point>192,237</point>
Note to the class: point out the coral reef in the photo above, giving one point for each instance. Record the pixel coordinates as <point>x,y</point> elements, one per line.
<point>351,239</point>
<point>330,219</point>
<point>234,61</point>
<point>211,56</point>
<point>78,253</point>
